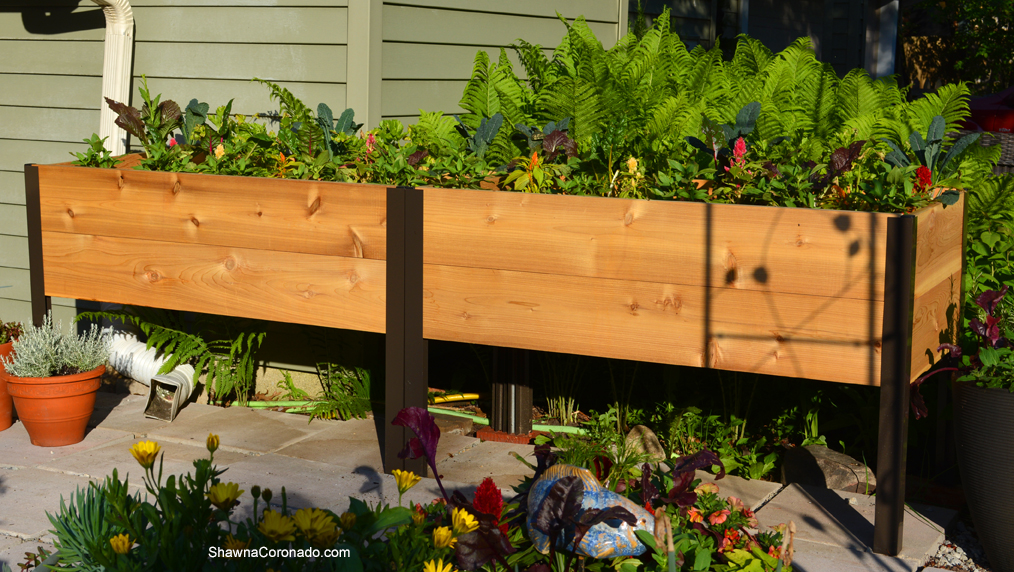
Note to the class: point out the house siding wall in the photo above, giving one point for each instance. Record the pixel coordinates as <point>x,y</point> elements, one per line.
<point>51,83</point>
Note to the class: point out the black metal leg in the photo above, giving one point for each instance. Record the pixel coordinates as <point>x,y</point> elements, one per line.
<point>406,379</point>
<point>41,303</point>
<point>895,373</point>
<point>512,391</point>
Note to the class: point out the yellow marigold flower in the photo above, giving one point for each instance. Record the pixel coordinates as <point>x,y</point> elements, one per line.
<point>212,442</point>
<point>443,537</point>
<point>405,480</point>
<point>277,527</point>
<point>224,495</point>
<point>631,165</point>
<point>463,521</point>
<point>438,566</point>
<point>121,543</point>
<point>219,151</point>
<point>348,520</point>
<point>145,453</point>
<point>232,543</point>
<point>313,523</point>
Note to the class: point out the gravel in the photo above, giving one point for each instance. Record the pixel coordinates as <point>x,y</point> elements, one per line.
<point>960,551</point>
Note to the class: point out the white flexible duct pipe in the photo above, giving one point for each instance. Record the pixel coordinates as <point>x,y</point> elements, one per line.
<point>116,69</point>
<point>131,357</point>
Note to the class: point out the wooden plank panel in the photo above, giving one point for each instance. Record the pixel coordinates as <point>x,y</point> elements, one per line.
<point>274,62</point>
<point>12,187</point>
<point>787,334</point>
<point>938,245</point>
<point>51,57</point>
<point>430,26</point>
<point>272,25</point>
<point>49,124</point>
<point>801,251</point>
<point>16,153</point>
<point>249,98</point>
<point>13,251</point>
<point>934,317</point>
<point>12,220</point>
<point>296,216</point>
<point>68,92</point>
<point>408,97</point>
<point>331,291</point>
<point>599,10</point>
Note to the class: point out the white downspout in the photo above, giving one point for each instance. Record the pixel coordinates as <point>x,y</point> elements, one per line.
<point>116,69</point>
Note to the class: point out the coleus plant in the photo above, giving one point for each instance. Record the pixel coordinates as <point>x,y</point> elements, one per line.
<point>991,364</point>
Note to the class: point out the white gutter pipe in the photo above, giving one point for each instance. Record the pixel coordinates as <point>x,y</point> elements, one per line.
<point>116,69</point>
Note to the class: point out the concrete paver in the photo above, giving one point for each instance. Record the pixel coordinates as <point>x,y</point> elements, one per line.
<point>240,428</point>
<point>753,493</point>
<point>13,549</point>
<point>488,459</point>
<point>125,412</point>
<point>835,559</point>
<point>826,518</point>
<point>27,494</point>
<point>16,449</point>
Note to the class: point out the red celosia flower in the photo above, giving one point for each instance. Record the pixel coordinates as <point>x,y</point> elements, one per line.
<point>489,500</point>
<point>739,150</point>
<point>925,177</point>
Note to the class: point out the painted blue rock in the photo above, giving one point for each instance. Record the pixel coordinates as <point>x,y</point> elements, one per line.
<point>602,540</point>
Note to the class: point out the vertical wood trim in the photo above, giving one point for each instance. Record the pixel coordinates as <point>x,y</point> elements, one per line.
<point>365,50</point>
<point>41,303</point>
<point>622,16</point>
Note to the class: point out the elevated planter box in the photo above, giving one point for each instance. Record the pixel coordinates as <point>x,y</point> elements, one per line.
<point>850,297</point>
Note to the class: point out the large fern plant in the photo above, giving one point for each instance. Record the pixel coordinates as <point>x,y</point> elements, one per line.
<point>224,348</point>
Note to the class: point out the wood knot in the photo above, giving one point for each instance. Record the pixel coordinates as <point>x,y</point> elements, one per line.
<point>314,207</point>
<point>152,276</point>
<point>260,214</point>
<point>353,278</point>
<point>119,180</point>
<point>628,220</point>
<point>195,221</point>
<point>778,337</point>
<point>491,219</point>
<point>230,264</point>
<point>309,294</point>
<point>176,188</point>
<point>70,213</point>
<point>801,241</point>
<point>634,307</point>
<point>465,315</point>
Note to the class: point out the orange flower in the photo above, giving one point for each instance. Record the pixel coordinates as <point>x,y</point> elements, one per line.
<point>695,515</point>
<point>534,162</point>
<point>718,517</point>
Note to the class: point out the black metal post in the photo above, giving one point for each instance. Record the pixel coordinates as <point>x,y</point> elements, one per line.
<point>895,374</point>
<point>512,391</point>
<point>41,303</point>
<point>406,375</point>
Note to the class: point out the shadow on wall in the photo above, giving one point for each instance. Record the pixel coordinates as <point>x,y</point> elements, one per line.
<point>57,16</point>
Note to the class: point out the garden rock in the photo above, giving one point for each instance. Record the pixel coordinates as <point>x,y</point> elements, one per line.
<point>643,440</point>
<point>823,467</point>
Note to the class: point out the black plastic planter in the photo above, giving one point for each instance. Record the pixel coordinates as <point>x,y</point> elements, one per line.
<point>984,424</point>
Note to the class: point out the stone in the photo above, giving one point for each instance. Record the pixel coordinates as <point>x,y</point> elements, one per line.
<point>821,466</point>
<point>643,440</point>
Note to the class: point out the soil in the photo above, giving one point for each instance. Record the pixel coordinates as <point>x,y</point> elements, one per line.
<point>487,434</point>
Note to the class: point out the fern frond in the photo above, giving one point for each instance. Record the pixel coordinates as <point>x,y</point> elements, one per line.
<point>480,98</point>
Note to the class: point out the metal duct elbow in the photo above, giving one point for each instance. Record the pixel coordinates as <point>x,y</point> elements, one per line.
<point>116,69</point>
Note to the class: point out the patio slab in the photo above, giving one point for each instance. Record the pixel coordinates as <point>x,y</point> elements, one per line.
<point>125,412</point>
<point>752,492</point>
<point>12,549</point>
<point>26,495</point>
<point>835,559</point>
<point>827,519</point>
<point>16,449</point>
<point>240,428</point>
<point>488,459</point>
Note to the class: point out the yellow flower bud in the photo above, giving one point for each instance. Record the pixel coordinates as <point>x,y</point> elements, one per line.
<point>212,442</point>
<point>405,479</point>
<point>145,453</point>
<point>121,543</point>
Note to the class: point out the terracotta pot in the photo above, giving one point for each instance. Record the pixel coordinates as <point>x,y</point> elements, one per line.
<point>6,405</point>
<point>984,431</point>
<point>55,410</point>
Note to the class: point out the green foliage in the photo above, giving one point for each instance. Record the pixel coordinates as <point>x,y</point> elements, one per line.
<point>345,393</point>
<point>229,358</point>
<point>47,350</point>
<point>97,155</point>
<point>10,331</point>
<point>83,528</point>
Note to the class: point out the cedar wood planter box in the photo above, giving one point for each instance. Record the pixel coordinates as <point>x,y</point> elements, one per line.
<point>781,291</point>
<point>841,296</point>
